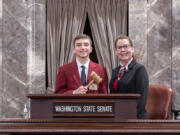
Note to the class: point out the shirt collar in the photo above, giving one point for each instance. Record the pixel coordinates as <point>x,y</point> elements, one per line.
<point>126,66</point>
<point>79,64</point>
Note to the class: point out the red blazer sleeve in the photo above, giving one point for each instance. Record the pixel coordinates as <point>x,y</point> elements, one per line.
<point>61,83</point>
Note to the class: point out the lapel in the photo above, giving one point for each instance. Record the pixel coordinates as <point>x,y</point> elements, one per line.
<point>74,73</point>
<point>132,64</point>
<point>116,72</point>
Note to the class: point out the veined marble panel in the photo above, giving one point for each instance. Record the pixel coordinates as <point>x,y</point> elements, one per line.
<point>1,99</point>
<point>176,54</point>
<point>14,51</point>
<point>138,28</point>
<point>37,47</point>
<point>159,41</point>
<point>23,53</point>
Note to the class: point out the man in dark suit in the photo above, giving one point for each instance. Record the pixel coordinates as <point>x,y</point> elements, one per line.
<point>73,78</point>
<point>130,76</point>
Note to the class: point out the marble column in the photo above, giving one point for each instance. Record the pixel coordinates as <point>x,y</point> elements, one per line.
<point>14,57</point>
<point>138,28</point>
<point>176,54</point>
<point>23,54</point>
<point>159,41</point>
<point>36,41</point>
<point>1,58</point>
<point>150,29</point>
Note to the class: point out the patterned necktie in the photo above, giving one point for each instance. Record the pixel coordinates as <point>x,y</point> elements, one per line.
<point>120,74</point>
<point>83,75</point>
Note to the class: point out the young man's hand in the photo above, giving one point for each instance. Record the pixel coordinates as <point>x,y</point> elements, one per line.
<point>80,90</point>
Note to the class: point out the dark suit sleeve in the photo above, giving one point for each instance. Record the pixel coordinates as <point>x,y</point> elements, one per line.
<point>61,83</point>
<point>111,83</point>
<point>103,86</point>
<point>142,85</point>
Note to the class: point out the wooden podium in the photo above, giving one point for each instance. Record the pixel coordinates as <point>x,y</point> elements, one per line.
<point>86,114</point>
<point>94,106</point>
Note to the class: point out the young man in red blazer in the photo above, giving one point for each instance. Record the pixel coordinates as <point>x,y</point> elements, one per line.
<point>69,79</point>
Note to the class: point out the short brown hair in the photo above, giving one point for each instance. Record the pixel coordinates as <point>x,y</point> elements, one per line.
<point>82,36</point>
<point>123,37</point>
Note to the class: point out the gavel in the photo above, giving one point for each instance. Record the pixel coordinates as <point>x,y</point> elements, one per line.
<point>95,78</point>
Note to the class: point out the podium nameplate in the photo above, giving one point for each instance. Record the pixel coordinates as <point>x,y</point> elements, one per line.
<point>85,109</point>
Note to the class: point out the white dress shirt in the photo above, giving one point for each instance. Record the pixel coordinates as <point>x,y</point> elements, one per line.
<point>80,68</point>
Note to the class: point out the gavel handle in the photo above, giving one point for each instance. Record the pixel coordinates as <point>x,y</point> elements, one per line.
<point>90,84</point>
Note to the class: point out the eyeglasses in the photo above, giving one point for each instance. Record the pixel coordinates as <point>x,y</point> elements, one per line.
<point>125,47</point>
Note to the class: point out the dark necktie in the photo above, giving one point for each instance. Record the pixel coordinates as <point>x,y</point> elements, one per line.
<point>83,76</point>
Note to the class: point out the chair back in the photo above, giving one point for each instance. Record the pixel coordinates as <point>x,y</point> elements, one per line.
<point>159,102</point>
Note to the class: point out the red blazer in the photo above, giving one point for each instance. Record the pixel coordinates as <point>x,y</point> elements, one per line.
<point>68,78</point>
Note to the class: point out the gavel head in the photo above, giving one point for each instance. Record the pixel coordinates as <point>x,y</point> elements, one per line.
<point>95,77</point>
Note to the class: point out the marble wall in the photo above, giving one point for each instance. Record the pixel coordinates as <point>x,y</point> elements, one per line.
<point>176,53</point>
<point>159,41</point>
<point>153,26</point>
<point>138,28</point>
<point>1,103</point>
<point>23,53</point>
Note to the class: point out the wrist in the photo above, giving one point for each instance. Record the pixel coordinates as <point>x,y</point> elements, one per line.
<point>74,91</point>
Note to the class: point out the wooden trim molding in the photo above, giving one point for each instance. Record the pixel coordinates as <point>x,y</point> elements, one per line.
<point>85,96</point>
<point>88,126</point>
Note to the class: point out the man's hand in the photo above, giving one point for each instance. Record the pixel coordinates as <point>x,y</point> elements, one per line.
<point>80,90</point>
